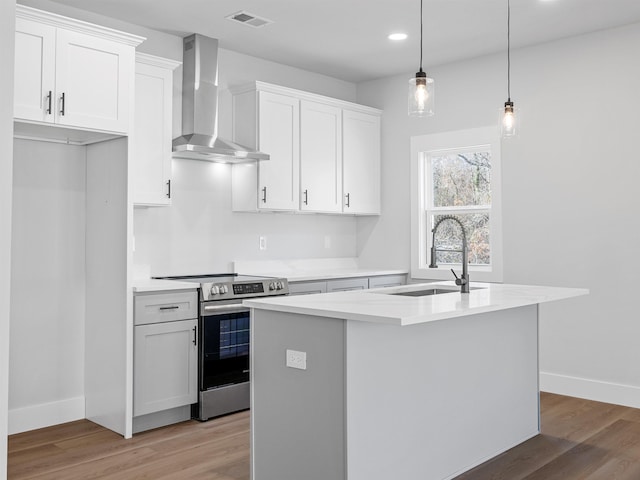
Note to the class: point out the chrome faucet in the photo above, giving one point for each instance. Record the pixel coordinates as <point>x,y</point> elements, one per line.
<point>463,280</point>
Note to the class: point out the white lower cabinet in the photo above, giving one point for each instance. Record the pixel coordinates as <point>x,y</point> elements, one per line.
<point>165,360</point>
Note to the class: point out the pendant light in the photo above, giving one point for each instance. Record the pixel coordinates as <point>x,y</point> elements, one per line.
<point>510,116</point>
<point>421,88</point>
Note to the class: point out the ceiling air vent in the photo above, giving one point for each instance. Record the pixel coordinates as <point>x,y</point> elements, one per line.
<point>249,19</point>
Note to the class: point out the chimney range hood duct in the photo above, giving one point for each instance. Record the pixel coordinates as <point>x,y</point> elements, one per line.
<point>199,140</point>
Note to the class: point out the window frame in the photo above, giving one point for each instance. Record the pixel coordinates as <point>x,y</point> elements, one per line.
<point>425,146</point>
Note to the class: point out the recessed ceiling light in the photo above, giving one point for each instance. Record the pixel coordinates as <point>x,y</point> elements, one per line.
<point>398,36</point>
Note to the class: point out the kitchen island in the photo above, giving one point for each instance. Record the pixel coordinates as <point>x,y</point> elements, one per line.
<point>395,382</point>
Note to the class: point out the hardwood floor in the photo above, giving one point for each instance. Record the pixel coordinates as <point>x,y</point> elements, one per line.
<point>580,440</point>
<point>82,450</point>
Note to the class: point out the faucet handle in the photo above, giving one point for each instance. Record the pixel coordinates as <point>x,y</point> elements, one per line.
<point>459,281</point>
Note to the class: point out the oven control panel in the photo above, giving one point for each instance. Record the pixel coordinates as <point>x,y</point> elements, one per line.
<point>248,288</point>
<point>229,290</point>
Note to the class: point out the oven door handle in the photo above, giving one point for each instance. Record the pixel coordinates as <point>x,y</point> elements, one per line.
<point>233,307</point>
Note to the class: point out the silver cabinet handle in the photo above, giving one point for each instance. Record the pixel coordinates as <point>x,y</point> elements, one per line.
<point>62,104</point>
<point>49,102</point>
<point>169,188</point>
<point>195,335</point>
<point>306,197</point>
<point>264,194</point>
<point>172,307</point>
<point>348,197</point>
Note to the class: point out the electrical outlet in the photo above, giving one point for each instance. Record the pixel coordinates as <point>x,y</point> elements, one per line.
<point>297,359</point>
<point>262,242</point>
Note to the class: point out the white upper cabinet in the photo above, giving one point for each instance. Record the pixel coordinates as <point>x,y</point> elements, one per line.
<point>152,133</point>
<point>269,122</point>
<point>361,161</point>
<point>315,143</point>
<point>279,135</point>
<point>71,73</point>
<point>320,157</point>
<point>35,71</point>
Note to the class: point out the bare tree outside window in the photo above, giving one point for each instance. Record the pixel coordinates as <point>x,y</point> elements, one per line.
<point>459,183</point>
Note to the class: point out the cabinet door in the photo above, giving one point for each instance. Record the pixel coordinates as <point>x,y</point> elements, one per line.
<point>92,82</point>
<point>151,135</point>
<point>320,157</point>
<point>361,162</point>
<point>34,71</point>
<point>279,136</point>
<point>165,366</point>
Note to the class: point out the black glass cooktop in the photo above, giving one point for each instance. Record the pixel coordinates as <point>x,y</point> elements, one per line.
<point>214,277</point>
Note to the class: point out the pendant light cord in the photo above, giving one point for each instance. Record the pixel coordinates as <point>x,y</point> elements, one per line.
<point>509,49</point>
<point>421,35</point>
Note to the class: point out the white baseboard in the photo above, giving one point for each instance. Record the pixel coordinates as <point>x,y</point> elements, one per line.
<point>46,414</point>
<point>627,395</point>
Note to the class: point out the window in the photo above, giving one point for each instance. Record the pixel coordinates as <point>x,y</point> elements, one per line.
<point>457,174</point>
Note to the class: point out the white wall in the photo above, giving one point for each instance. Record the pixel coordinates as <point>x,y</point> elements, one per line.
<point>569,193</point>
<point>47,285</point>
<point>7,28</point>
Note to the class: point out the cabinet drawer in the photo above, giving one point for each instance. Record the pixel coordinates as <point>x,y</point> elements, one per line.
<point>307,288</point>
<point>165,307</point>
<point>347,284</point>
<point>387,281</point>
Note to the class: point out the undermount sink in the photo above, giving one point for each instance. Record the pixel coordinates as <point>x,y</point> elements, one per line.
<point>430,291</point>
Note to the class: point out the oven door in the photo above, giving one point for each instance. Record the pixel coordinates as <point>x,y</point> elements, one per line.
<point>224,344</point>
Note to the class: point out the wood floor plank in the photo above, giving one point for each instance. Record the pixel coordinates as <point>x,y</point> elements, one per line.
<point>520,461</point>
<point>47,435</point>
<point>617,444</point>
<point>576,419</point>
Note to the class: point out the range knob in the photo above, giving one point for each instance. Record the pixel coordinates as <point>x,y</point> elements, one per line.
<point>272,286</point>
<point>279,285</point>
<point>224,289</point>
<point>215,289</point>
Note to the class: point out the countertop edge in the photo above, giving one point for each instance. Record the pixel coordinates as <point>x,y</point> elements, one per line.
<point>513,296</point>
<point>152,285</point>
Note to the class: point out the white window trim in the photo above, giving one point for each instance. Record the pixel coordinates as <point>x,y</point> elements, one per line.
<point>420,238</point>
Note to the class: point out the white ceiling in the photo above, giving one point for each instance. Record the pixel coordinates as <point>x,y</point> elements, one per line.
<point>347,39</point>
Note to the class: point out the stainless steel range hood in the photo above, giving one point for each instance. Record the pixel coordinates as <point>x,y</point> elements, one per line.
<point>199,140</point>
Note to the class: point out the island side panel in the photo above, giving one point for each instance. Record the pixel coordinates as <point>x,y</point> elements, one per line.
<point>432,400</point>
<point>297,416</point>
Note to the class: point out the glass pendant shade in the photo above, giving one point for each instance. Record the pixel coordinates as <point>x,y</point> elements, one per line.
<point>509,120</point>
<point>421,95</point>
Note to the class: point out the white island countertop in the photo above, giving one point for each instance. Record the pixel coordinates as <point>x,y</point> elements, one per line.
<point>381,306</point>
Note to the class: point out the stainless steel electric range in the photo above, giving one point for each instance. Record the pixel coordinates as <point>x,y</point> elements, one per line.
<point>223,338</point>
